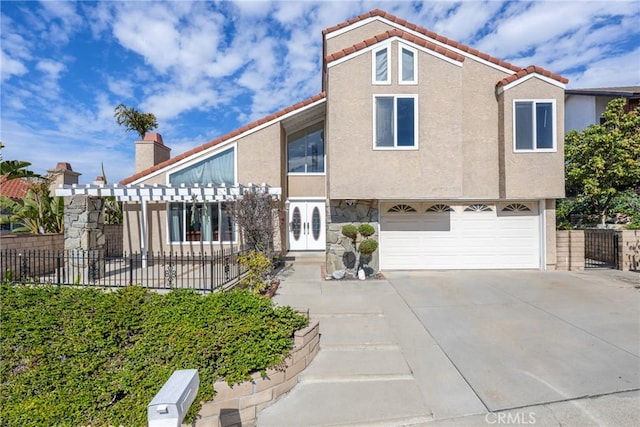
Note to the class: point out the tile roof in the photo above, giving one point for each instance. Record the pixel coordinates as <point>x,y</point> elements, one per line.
<point>224,138</point>
<point>531,69</point>
<point>447,41</point>
<point>14,188</point>
<point>395,33</point>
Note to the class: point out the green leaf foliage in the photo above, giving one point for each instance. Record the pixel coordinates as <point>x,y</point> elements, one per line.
<point>258,268</point>
<point>75,357</point>
<point>604,159</point>
<point>368,246</point>
<point>350,231</point>
<point>133,119</point>
<point>38,213</point>
<point>366,230</point>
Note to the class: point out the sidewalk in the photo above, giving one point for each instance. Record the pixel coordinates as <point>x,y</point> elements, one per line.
<point>377,365</point>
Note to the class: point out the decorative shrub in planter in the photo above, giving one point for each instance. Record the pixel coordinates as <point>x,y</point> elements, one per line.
<point>363,249</point>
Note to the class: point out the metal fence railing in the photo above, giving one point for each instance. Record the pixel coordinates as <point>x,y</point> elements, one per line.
<point>202,272</point>
<point>601,249</point>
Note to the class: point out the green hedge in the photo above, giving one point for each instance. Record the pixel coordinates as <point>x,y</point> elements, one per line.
<point>74,357</point>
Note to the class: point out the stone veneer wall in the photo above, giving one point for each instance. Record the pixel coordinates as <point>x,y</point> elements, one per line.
<point>342,212</point>
<point>570,250</point>
<point>84,237</point>
<point>239,405</point>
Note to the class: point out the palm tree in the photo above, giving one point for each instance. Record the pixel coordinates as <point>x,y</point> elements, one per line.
<point>133,119</point>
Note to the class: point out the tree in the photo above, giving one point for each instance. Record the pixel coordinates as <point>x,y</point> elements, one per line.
<point>133,119</point>
<point>38,213</point>
<point>604,159</point>
<point>13,169</point>
<point>255,213</point>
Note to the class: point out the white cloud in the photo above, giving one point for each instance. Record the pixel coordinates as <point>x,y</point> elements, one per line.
<point>10,67</point>
<point>622,70</point>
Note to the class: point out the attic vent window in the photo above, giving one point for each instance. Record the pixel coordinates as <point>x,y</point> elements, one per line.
<point>440,208</point>
<point>478,208</point>
<point>402,208</point>
<point>516,207</point>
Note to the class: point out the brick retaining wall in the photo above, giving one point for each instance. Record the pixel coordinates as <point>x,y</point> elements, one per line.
<point>629,249</point>
<point>239,405</point>
<point>569,250</point>
<point>31,242</point>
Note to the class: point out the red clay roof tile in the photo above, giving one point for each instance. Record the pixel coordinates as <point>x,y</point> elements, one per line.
<point>223,138</point>
<point>394,33</point>
<point>530,70</point>
<point>14,188</point>
<point>421,30</point>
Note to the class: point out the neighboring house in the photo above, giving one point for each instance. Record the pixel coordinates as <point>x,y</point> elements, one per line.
<point>584,107</point>
<point>16,189</point>
<point>454,156</point>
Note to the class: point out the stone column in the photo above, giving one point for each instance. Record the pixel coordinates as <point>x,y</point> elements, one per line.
<point>84,240</point>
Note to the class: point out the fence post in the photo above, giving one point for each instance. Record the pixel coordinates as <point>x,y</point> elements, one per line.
<point>58,266</point>
<point>131,269</point>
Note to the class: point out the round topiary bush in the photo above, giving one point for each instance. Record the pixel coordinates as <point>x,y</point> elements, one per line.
<point>366,230</point>
<point>368,246</point>
<point>350,231</point>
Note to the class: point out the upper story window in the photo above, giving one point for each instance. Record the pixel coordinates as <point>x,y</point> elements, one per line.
<point>305,150</point>
<point>217,169</point>
<point>534,125</point>
<point>395,121</point>
<point>407,65</point>
<point>381,66</point>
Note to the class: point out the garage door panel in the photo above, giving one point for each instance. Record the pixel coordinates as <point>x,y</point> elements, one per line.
<point>460,240</point>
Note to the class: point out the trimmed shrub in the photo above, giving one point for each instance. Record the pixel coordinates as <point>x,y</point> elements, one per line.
<point>368,246</point>
<point>86,357</point>
<point>366,230</point>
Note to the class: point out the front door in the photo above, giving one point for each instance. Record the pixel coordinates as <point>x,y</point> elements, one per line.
<point>306,226</point>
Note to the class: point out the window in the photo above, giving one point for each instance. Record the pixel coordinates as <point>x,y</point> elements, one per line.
<point>402,208</point>
<point>381,66</point>
<point>395,121</point>
<point>407,65</point>
<point>305,150</point>
<point>217,169</point>
<point>200,222</point>
<point>534,127</point>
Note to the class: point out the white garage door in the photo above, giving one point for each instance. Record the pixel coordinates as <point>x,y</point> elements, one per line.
<point>459,236</point>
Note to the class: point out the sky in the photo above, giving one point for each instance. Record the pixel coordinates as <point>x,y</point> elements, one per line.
<point>205,68</point>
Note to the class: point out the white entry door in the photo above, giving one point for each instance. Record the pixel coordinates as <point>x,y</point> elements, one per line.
<point>307,226</point>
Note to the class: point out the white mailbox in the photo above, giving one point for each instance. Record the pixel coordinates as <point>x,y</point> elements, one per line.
<point>170,405</point>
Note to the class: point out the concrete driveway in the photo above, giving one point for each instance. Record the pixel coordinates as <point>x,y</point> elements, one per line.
<point>521,338</point>
<point>465,348</point>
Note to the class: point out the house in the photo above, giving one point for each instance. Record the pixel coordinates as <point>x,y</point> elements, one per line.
<point>16,189</point>
<point>584,107</point>
<point>454,156</point>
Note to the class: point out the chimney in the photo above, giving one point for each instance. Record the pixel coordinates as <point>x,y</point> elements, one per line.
<point>150,151</point>
<point>62,174</point>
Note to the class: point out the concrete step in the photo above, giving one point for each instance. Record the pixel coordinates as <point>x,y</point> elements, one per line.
<point>376,402</point>
<point>358,364</point>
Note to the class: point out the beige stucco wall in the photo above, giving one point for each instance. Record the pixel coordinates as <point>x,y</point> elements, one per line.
<point>259,159</point>
<point>355,35</point>
<point>550,232</point>
<point>306,186</point>
<point>532,174</point>
<point>457,137</point>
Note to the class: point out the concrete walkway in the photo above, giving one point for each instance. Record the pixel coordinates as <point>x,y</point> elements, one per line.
<point>387,356</point>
